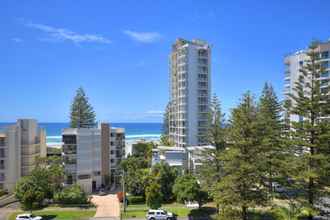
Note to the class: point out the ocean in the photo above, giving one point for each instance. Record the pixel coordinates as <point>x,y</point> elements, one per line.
<point>133,131</point>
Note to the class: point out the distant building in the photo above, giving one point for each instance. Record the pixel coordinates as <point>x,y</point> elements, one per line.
<point>92,156</point>
<point>186,159</point>
<point>196,156</point>
<point>174,156</point>
<point>295,61</point>
<point>20,145</point>
<point>190,88</point>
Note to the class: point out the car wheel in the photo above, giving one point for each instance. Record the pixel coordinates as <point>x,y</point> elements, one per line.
<point>152,219</point>
<point>169,218</point>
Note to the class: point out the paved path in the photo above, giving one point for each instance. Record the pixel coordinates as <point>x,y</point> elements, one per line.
<point>5,211</point>
<point>106,206</point>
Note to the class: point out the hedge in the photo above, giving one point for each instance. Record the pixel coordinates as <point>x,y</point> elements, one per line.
<point>135,199</point>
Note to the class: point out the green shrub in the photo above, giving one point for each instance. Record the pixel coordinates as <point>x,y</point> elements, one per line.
<point>71,195</point>
<point>135,199</point>
<point>229,213</point>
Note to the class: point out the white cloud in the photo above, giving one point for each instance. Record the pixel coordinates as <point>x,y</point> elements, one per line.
<point>68,35</point>
<point>17,40</point>
<point>143,37</point>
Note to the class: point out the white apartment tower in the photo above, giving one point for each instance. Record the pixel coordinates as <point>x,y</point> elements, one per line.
<point>20,145</point>
<point>190,85</point>
<point>295,61</point>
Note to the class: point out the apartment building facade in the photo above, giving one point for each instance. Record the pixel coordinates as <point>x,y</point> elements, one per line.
<point>20,146</point>
<point>92,156</point>
<point>190,88</point>
<point>294,62</point>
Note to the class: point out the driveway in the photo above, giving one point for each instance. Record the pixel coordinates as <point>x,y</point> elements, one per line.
<point>106,206</point>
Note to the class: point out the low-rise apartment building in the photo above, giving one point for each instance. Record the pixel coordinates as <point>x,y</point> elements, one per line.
<point>174,156</point>
<point>92,156</point>
<point>196,155</point>
<point>20,146</point>
<point>184,158</point>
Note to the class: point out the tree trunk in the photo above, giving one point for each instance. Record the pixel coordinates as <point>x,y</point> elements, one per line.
<point>270,181</point>
<point>311,182</point>
<point>311,197</point>
<point>244,213</point>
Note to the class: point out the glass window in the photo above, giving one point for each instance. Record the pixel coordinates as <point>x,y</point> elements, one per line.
<point>2,141</point>
<point>325,74</point>
<point>325,55</point>
<point>2,177</point>
<point>2,164</point>
<point>325,64</point>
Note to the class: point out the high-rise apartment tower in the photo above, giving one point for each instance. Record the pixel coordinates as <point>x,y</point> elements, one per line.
<point>190,87</point>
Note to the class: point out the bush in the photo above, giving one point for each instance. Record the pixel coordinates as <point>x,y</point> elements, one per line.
<point>154,196</point>
<point>71,195</point>
<point>135,200</point>
<point>30,193</point>
<point>229,213</point>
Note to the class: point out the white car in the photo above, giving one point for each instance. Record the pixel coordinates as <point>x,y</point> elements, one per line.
<point>27,217</point>
<point>159,214</point>
<point>193,205</point>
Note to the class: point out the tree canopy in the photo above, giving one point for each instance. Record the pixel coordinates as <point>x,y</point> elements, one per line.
<point>82,114</point>
<point>310,133</point>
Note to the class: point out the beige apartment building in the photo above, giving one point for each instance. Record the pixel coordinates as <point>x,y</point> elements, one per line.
<point>20,145</point>
<point>92,156</point>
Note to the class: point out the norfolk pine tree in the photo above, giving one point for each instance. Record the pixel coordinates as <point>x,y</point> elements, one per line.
<point>311,133</point>
<point>211,169</point>
<point>165,139</point>
<point>270,128</point>
<point>241,185</point>
<point>82,113</point>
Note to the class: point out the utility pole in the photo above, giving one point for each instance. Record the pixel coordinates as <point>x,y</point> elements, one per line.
<point>124,193</point>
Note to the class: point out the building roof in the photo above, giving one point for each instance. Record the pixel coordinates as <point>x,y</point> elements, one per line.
<point>75,131</point>
<point>192,148</point>
<point>167,148</point>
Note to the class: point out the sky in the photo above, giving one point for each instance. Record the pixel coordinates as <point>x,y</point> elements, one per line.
<point>118,51</point>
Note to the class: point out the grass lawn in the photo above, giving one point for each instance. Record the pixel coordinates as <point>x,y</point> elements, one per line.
<point>59,214</point>
<point>139,211</point>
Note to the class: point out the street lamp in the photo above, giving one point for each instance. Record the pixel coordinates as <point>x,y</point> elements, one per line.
<point>124,193</point>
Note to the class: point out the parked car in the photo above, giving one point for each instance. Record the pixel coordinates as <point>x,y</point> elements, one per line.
<point>27,217</point>
<point>192,205</point>
<point>159,214</point>
<point>278,188</point>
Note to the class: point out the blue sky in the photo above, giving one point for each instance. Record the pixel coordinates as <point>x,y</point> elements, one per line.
<point>118,51</point>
